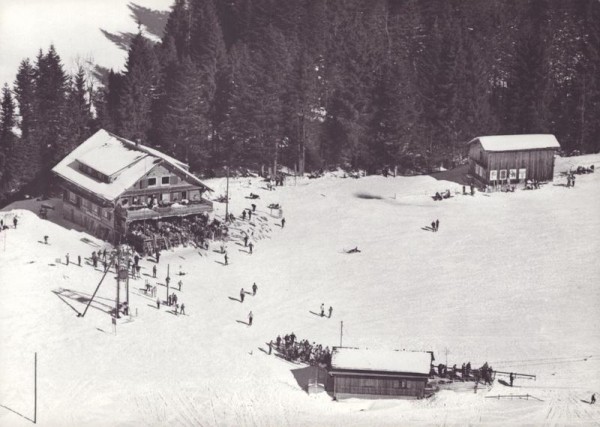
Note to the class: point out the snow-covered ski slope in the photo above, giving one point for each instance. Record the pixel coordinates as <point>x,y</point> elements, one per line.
<point>511,279</point>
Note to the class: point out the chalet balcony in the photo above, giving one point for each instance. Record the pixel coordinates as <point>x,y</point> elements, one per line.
<point>140,213</point>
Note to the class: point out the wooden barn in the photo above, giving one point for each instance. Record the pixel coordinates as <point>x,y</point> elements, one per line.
<point>110,183</point>
<point>508,159</point>
<point>377,374</point>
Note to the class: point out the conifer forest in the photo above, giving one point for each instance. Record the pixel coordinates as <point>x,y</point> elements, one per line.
<point>311,84</point>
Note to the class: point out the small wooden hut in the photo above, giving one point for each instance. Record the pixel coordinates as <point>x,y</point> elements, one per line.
<point>504,159</point>
<point>377,374</point>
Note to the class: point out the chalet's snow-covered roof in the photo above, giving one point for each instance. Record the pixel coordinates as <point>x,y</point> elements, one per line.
<point>123,160</point>
<point>517,142</point>
<point>414,362</point>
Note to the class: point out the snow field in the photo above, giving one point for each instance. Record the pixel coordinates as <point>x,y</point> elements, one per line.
<point>508,279</point>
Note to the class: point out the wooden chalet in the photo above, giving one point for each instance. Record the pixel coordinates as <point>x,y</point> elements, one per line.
<point>376,374</point>
<point>109,182</point>
<point>508,159</point>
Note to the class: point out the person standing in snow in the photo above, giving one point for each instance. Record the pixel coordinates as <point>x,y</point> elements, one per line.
<point>437,225</point>
<point>154,271</point>
<point>246,240</point>
<point>176,309</point>
<point>15,221</point>
<point>593,399</point>
<point>254,289</point>
<point>433,226</point>
<point>46,240</point>
<point>158,303</point>
<point>157,257</point>
<point>322,309</point>
<point>282,222</point>
<point>249,215</point>
<point>511,378</point>
<point>270,347</point>
<point>79,260</point>
<point>226,259</point>
<point>244,214</point>
<point>253,207</point>
<point>250,317</point>
<point>250,246</point>
<point>182,311</point>
<point>67,259</point>
<point>242,295</point>
<point>330,311</point>
<point>180,284</point>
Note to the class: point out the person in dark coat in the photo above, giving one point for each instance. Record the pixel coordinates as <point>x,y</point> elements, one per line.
<point>251,246</point>
<point>278,341</point>
<point>46,240</point>
<point>270,347</point>
<point>245,240</point>
<point>511,377</point>
<point>67,259</point>
<point>244,214</point>
<point>254,288</point>
<point>250,317</point>
<point>227,258</point>
<point>433,226</point>
<point>154,271</point>
<point>322,310</point>
<point>242,295</point>
<point>282,222</point>
<point>593,399</point>
<point>249,215</point>
<point>437,225</point>
<point>157,257</point>
<point>253,207</point>
<point>15,221</point>
<point>330,311</point>
<point>157,303</point>
<point>79,260</point>
<point>182,311</point>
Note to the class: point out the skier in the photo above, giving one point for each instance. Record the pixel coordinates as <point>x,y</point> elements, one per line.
<point>180,284</point>
<point>137,271</point>
<point>176,309</point>
<point>250,317</point>
<point>437,225</point>
<point>94,259</point>
<point>226,259</point>
<point>278,341</point>
<point>67,259</point>
<point>157,257</point>
<point>250,246</point>
<point>270,347</point>
<point>46,240</point>
<point>322,309</point>
<point>244,215</point>
<point>254,289</point>
<point>433,226</point>
<point>511,377</point>
<point>253,207</point>
<point>282,222</point>
<point>249,215</point>
<point>15,221</point>
<point>330,311</point>
<point>136,259</point>
<point>593,399</point>
<point>79,260</point>
<point>242,295</point>
<point>182,311</point>
<point>246,240</point>
<point>154,271</point>
<point>158,303</point>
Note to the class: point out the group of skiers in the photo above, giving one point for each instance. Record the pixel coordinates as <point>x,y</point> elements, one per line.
<point>485,373</point>
<point>243,292</point>
<point>301,351</point>
<point>5,226</point>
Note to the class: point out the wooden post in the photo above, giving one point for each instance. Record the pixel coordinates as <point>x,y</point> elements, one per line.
<point>35,388</point>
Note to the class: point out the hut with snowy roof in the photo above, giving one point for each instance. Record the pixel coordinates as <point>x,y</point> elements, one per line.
<point>379,373</point>
<point>109,182</point>
<point>503,159</point>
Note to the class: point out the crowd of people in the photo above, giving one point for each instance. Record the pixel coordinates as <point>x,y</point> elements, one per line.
<point>150,236</point>
<point>485,373</point>
<point>301,351</point>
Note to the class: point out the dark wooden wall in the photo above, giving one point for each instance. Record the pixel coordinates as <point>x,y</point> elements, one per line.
<point>383,386</point>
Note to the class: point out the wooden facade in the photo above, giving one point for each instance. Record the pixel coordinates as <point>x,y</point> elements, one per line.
<point>377,384</point>
<point>492,167</point>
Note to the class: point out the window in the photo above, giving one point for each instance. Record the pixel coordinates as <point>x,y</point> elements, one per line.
<point>503,174</point>
<point>151,182</point>
<point>106,214</point>
<point>72,197</point>
<point>369,382</point>
<point>165,180</point>
<point>184,195</point>
<point>87,204</point>
<point>522,173</point>
<point>493,175</point>
<point>512,174</point>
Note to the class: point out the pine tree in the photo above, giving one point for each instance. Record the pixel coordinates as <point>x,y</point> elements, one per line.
<point>78,118</point>
<point>8,139</point>
<point>140,90</point>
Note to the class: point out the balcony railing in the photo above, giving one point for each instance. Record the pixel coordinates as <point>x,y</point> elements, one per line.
<point>133,214</point>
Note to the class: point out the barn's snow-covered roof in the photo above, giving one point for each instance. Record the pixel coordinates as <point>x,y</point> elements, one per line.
<point>123,160</point>
<point>517,142</point>
<point>413,362</point>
